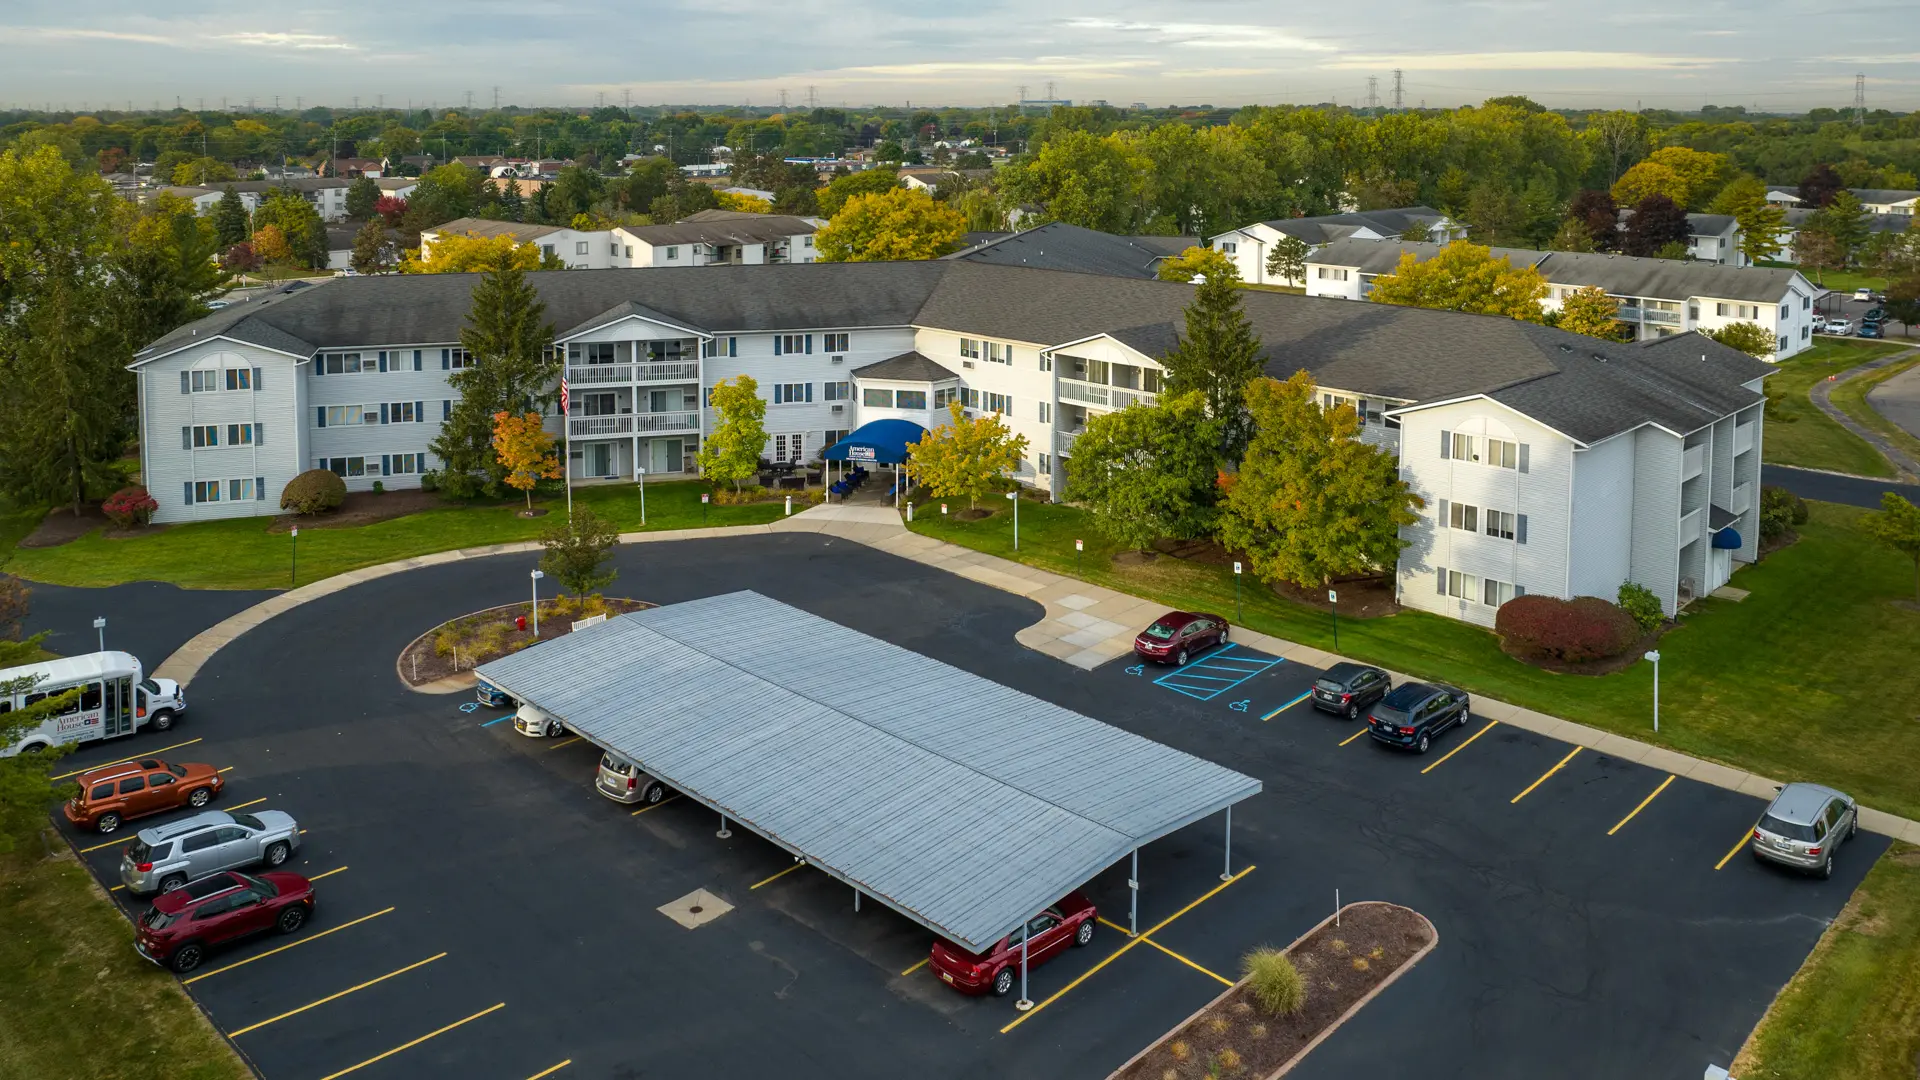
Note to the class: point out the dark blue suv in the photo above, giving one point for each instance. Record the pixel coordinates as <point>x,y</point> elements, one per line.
<point>1415,714</point>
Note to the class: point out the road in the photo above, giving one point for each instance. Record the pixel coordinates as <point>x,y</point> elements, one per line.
<point>1835,487</point>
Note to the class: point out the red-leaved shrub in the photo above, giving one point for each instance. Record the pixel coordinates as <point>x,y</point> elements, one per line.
<point>1549,628</point>
<point>129,506</point>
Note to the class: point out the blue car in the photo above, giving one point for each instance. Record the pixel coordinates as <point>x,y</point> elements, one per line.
<point>1870,329</point>
<point>490,695</point>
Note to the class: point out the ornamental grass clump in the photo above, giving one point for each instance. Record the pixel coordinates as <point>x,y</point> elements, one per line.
<point>1274,982</point>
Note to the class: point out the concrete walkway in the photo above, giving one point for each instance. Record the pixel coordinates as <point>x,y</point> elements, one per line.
<point>1908,468</point>
<point>1084,625</point>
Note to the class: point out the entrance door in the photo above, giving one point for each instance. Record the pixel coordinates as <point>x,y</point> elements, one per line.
<point>118,718</point>
<point>599,459</point>
<point>666,455</point>
<point>1719,567</point>
<point>657,401</point>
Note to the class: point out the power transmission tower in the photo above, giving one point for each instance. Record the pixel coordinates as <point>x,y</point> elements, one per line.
<point>298,103</point>
<point>1050,96</point>
<point>783,101</point>
<point>600,99</point>
<point>276,103</point>
<point>469,101</point>
<point>1023,95</point>
<point>1398,102</point>
<point>626,98</point>
<point>813,98</point>
<point>356,101</point>
<point>496,97</point>
<point>1859,100</point>
<point>1373,93</point>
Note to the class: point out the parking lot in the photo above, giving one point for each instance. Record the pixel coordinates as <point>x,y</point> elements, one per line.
<point>483,912</point>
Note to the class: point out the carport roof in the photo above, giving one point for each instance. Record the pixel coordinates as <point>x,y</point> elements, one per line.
<point>961,803</point>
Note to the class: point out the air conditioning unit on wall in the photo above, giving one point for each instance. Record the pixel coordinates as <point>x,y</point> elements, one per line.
<point>839,408</point>
<point>838,359</point>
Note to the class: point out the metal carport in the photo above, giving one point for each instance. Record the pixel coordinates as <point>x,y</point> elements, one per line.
<point>911,780</point>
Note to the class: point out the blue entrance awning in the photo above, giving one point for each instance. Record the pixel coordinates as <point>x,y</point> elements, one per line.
<point>883,441</point>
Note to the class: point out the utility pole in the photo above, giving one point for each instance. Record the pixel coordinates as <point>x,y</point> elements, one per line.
<point>813,99</point>
<point>1398,102</point>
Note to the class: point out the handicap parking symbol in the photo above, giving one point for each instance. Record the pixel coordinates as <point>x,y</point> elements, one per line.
<point>470,706</point>
<point>1241,705</point>
<point>1137,669</point>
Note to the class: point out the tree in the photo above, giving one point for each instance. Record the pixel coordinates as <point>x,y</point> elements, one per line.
<point>1589,310</point>
<point>1903,302</point>
<point>1312,502</point>
<point>1750,338</point>
<point>868,182</point>
<point>165,271</point>
<point>298,221</point>
<point>511,368</point>
<point>372,253</point>
<point>1217,355</point>
<point>1818,187</point>
<point>574,191</point>
<point>270,244</point>
<point>1571,236</point>
<point>1760,221</point>
<point>681,200</point>
<point>730,453</point>
<point>1897,525</point>
<point>1464,276</point>
<point>1845,220</point>
<point>512,206</point>
<point>797,200</point>
<point>362,195</point>
<point>576,551</point>
<point>1656,222</point>
<point>1197,261</point>
<point>1647,179</point>
<point>893,225</point>
<point>1600,214</point>
<point>1288,260</point>
<point>744,204</point>
<point>240,258</point>
<point>1701,174</point>
<point>525,452</point>
<point>1621,134</point>
<point>1146,472</point>
<point>230,218</point>
<point>26,783</point>
<point>966,457</point>
<point>1081,179</point>
<point>466,253</point>
<point>1820,252</point>
<point>392,209</point>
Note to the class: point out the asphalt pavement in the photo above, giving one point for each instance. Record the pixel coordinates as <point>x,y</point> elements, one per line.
<point>1835,487</point>
<point>146,618</point>
<point>525,902</point>
<point>1898,399</point>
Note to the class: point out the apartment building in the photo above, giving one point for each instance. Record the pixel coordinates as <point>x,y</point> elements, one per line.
<point>328,197</point>
<point>351,376</point>
<point>1872,200</point>
<point>1250,246</point>
<point>1657,297</point>
<point>708,238</point>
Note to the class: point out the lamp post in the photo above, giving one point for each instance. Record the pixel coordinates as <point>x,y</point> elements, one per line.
<point>1078,547</point>
<point>1655,657</point>
<point>1333,604</point>
<point>100,624</point>
<point>1239,615</point>
<point>640,477</point>
<point>1015,496</point>
<point>537,575</point>
<point>293,576</point>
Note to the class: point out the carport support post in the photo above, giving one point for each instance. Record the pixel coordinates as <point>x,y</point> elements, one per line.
<point>1226,871</point>
<point>724,832</point>
<point>1025,1002</point>
<point>856,898</point>
<point>1133,898</point>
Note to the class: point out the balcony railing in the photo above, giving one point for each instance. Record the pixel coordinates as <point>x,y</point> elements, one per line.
<point>1063,442</point>
<point>1689,527</point>
<point>594,427</point>
<point>665,371</point>
<point>1741,499</point>
<point>1665,318</point>
<point>646,423</point>
<point>1124,398</point>
<point>1693,462</point>
<point>1078,391</point>
<point>1742,438</point>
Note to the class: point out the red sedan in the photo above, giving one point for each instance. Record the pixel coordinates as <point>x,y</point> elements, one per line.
<point>1179,636</point>
<point>182,925</point>
<point>996,971</point>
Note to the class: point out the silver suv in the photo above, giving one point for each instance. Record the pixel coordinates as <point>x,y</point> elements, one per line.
<point>1805,825</point>
<point>625,782</point>
<point>166,857</point>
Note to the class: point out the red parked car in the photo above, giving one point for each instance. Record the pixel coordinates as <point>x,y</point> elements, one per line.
<point>1179,636</point>
<point>997,971</point>
<point>183,924</point>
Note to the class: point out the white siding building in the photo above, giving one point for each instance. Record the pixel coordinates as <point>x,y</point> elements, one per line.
<point>1250,246</point>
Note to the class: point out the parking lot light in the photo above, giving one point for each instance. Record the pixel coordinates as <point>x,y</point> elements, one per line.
<point>1655,657</point>
<point>1014,495</point>
<point>537,575</point>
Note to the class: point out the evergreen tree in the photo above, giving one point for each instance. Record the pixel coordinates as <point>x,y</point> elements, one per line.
<point>230,219</point>
<point>1846,221</point>
<point>371,252</point>
<point>362,194</point>
<point>511,368</point>
<point>512,206</point>
<point>1218,355</point>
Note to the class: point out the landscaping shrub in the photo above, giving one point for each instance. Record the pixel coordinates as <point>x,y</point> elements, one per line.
<point>1780,510</point>
<point>1639,602</point>
<point>430,480</point>
<point>129,506</point>
<point>742,496</point>
<point>314,491</point>
<point>1549,628</point>
<point>379,487</point>
<point>1273,980</point>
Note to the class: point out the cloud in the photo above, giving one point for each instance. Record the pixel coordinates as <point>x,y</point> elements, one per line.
<point>81,33</point>
<point>1207,35</point>
<point>1523,61</point>
<point>284,40</point>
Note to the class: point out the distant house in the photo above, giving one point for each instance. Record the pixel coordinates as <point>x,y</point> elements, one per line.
<point>1059,246</point>
<point>328,196</point>
<point>579,249</point>
<point>1250,246</point>
<point>1872,200</point>
<point>350,167</point>
<point>1797,218</point>
<point>708,238</point>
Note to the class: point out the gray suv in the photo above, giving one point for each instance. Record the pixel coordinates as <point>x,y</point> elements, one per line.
<point>166,857</point>
<point>1805,825</point>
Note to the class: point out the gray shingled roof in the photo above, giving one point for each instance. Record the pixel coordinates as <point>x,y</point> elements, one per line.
<point>946,815</point>
<point>1600,389</point>
<point>1327,228</point>
<point>1798,216</point>
<point>1060,246</point>
<point>487,227</point>
<point>1622,275</point>
<point>907,367</point>
<point>723,227</point>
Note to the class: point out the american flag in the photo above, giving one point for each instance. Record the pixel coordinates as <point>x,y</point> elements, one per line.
<point>564,395</point>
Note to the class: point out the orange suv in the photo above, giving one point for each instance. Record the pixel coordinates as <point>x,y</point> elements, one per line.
<point>118,793</point>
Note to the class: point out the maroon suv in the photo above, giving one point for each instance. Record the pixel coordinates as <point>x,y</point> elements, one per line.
<point>1179,636</point>
<point>1069,922</point>
<point>183,924</point>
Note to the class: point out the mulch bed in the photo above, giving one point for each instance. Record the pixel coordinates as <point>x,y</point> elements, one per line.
<point>1606,665</point>
<point>364,508</point>
<point>61,526</point>
<point>1341,965</point>
<point>1360,598</point>
<point>420,662</point>
<point>972,513</point>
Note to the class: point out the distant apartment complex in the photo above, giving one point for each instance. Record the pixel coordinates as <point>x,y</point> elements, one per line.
<point>708,238</point>
<point>1251,246</point>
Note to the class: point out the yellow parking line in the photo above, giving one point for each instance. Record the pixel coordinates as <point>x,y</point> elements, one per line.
<point>330,873</point>
<point>116,888</point>
<point>227,769</point>
<point>1735,850</point>
<point>284,948</point>
<point>1104,921</point>
<point>108,844</point>
<point>1121,951</point>
<point>123,761</point>
<point>414,1043</point>
<point>1543,776</point>
<point>1353,736</point>
<point>551,1071</point>
<point>1491,724</point>
<point>243,806</point>
<point>776,877</point>
<point>565,742</point>
<point>655,806</point>
<point>923,963</point>
<point>1643,804</point>
<point>333,997</point>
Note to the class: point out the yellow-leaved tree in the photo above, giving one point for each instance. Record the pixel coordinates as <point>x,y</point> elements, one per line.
<point>1197,262</point>
<point>1589,310</point>
<point>472,254</point>
<point>966,457</point>
<point>525,450</point>
<point>1464,276</point>
<point>891,225</point>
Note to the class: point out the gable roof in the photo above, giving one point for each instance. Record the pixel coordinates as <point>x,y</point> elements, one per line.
<point>487,227</point>
<point>1060,246</point>
<point>1327,228</point>
<point>907,367</point>
<point>1622,275</point>
<point>724,227</point>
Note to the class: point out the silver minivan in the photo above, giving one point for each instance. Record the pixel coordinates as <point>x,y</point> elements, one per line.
<point>1805,825</point>
<point>625,782</point>
<point>168,856</point>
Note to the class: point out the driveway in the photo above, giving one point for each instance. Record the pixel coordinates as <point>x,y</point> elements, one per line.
<point>484,912</point>
<point>1898,399</point>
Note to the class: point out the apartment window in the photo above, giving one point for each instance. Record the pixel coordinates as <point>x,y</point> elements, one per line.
<point>206,491</point>
<point>792,393</point>
<point>351,466</point>
<point>1500,524</point>
<point>910,399</point>
<point>1462,586</point>
<point>1046,412</point>
<point>969,397</point>
<point>1780,344</point>
<point>1228,247</point>
<point>875,397</point>
<point>400,412</point>
<point>239,378</point>
<point>446,408</point>
<point>999,403</point>
<point>969,348</point>
<point>1046,361</point>
<point>200,436</point>
<point>720,347</point>
<point>346,416</point>
<point>792,344</point>
<point>1464,517</point>
<point>1785,309</point>
<point>834,343</point>
<point>455,359</point>
<point>1046,465</point>
<point>836,391</point>
<point>406,464</point>
<point>593,352</point>
<point>202,382</point>
<point>1494,593</point>
<point>546,250</point>
<point>1502,454</point>
<point>1806,332</point>
<point>834,435</point>
<point>580,247</point>
<point>1737,311</point>
<point>998,353</point>
<point>1463,448</point>
<point>945,396</point>
<point>400,360</point>
<point>614,250</point>
<point>243,435</point>
<point>240,489</point>
<point>673,252</point>
<point>344,364</point>
<point>1330,273</point>
<point>789,447</point>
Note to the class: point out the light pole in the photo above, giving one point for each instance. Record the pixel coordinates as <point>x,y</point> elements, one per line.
<point>640,477</point>
<point>1655,657</point>
<point>537,575</point>
<point>100,624</point>
<point>1239,615</point>
<point>293,575</point>
<point>1015,496</point>
<point>1333,605</point>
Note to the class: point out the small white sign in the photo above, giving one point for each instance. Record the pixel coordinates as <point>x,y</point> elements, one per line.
<point>1332,597</point>
<point>1079,545</point>
<point>296,530</point>
<point>703,497</point>
<point>1236,566</point>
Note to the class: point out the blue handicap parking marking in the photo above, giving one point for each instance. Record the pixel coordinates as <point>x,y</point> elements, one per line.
<point>1216,673</point>
<point>497,719</point>
<point>1240,706</point>
<point>470,706</point>
<point>1137,669</point>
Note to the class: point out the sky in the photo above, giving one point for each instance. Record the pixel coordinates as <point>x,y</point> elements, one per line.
<point>1671,53</point>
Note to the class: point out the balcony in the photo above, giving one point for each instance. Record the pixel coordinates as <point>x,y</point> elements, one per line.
<point>1693,462</point>
<point>1742,438</point>
<point>603,374</point>
<point>598,427</point>
<point>1690,527</point>
<point>1079,391</point>
<point>1063,442</point>
<point>1124,398</point>
<point>1741,499</point>
<point>1660,318</point>
<point>649,423</point>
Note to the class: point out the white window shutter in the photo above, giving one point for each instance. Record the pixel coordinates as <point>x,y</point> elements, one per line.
<point>1444,520</point>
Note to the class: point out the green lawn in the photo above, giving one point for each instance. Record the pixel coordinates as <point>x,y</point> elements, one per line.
<point>1850,397</point>
<point>1854,1008</point>
<point>1837,280</point>
<point>242,554</point>
<point>77,1001</point>
<point>1793,683</point>
<point>1810,439</point>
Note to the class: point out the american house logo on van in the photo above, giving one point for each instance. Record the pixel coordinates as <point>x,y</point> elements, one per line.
<point>861,453</point>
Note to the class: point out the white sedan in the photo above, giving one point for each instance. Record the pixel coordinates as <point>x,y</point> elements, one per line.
<point>1839,327</point>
